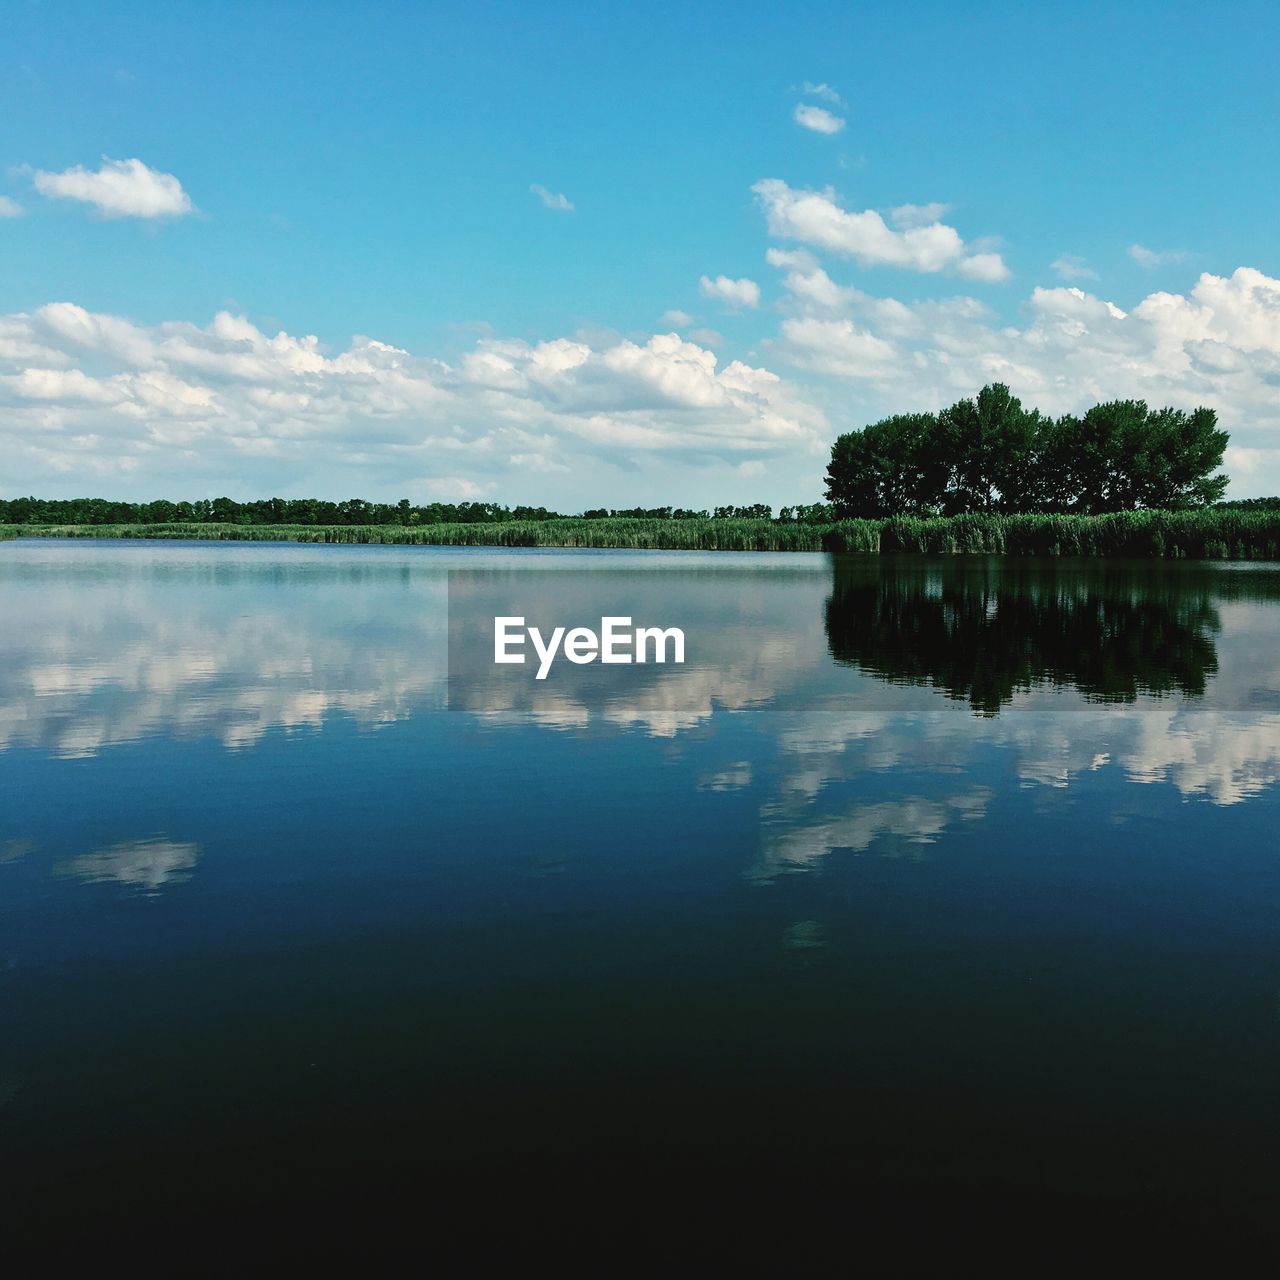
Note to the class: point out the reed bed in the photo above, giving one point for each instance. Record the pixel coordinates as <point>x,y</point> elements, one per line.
<point>1204,534</point>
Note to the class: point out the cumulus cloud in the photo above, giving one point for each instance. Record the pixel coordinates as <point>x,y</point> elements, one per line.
<point>1218,345</point>
<point>1151,259</point>
<point>9,208</point>
<point>1072,267</point>
<point>809,284</point>
<point>552,199</point>
<point>677,319</point>
<point>815,218</point>
<point>987,267</point>
<point>819,119</point>
<point>839,347</point>
<point>733,293</point>
<point>92,397</point>
<point>119,189</point>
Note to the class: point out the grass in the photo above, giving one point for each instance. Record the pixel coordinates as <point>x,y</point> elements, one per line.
<point>1205,534</point>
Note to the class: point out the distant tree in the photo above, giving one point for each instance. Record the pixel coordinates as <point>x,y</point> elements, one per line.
<point>1250,504</point>
<point>807,513</point>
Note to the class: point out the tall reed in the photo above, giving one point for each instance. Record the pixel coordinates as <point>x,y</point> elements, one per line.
<point>1204,534</point>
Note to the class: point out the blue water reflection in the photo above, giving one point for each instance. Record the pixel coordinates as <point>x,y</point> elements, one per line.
<point>939,842</point>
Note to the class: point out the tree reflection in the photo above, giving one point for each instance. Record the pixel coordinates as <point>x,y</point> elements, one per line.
<point>982,630</point>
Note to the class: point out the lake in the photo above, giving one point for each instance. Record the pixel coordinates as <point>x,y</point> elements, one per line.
<point>922,888</point>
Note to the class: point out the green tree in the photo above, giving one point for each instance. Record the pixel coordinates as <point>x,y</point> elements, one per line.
<point>891,467</point>
<point>990,446</point>
<point>1096,459</point>
<point>1184,452</point>
<point>990,453</point>
<point>1122,456</point>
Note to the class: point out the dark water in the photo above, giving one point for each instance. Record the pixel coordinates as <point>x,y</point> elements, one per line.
<point>924,891</point>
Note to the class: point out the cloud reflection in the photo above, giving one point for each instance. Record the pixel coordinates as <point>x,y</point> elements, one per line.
<point>869,708</point>
<point>141,864</point>
<point>147,646</point>
<point>800,843</point>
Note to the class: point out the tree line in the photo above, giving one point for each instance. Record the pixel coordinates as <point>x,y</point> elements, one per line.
<point>263,511</point>
<point>307,512</point>
<point>991,454</point>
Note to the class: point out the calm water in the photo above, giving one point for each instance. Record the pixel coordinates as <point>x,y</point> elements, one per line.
<point>922,882</point>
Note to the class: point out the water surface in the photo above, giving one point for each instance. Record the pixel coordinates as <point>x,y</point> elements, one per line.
<point>922,882</point>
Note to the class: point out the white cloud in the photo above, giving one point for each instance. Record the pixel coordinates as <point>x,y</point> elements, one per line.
<point>119,189</point>
<point>816,290</point>
<point>988,267</point>
<point>707,337</point>
<point>823,91</point>
<point>733,293</point>
<point>1217,345</point>
<point>10,208</point>
<point>815,218</point>
<point>1072,267</point>
<point>906,216</point>
<point>552,199</point>
<point>1150,259</point>
<point>87,397</point>
<point>839,347</point>
<point>792,259</point>
<point>819,119</point>
<point>677,319</point>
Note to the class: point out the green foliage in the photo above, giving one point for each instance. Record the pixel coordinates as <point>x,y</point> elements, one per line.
<point>575,531</point>
<point>886,468</point>
<point>1204,533</point>
<point>1211,533</point>
<point>808,513</point>
<point>356,512</point>
<point>991,454</point>
<point>264,511</point>
<point>987,450</point>
<point>1249,504</point>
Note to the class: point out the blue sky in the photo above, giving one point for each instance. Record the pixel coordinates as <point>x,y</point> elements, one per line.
<point>367,172</point>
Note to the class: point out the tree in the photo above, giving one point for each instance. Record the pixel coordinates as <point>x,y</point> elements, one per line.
<point>990,447</point>
<point>888,468</point>
<point>992,454</point>
<point>1184,450</point>
<point>1121,456</point>
<point>1096,460</point>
